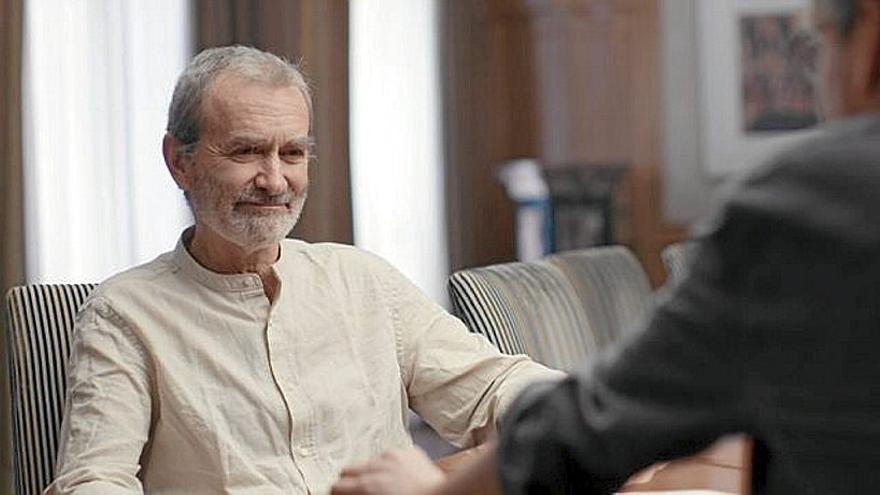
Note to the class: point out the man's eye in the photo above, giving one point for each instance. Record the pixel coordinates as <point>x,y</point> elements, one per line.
<point>247,150</point>
<point>293,153</point>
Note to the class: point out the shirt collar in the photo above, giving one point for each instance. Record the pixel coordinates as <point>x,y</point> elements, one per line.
<point>227,282</point>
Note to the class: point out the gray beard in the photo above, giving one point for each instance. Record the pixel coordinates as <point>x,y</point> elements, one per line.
<point>210,210</point>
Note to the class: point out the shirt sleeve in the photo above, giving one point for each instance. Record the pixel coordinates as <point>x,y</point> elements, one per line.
<point>669,391</point>
<point>457,381</point>
<point>108,407</point>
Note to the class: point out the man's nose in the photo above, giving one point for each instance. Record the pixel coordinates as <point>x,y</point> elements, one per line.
<point>271,177</point>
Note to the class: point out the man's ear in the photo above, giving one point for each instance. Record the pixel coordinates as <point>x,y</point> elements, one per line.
<point>873,14</point>
<point>176,161</point>
<point>866,49</point>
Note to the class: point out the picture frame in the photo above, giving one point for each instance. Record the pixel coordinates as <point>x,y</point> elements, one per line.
<point>738,130</point>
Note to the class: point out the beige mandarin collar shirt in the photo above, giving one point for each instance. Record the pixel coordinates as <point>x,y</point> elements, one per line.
<point>186,381</point>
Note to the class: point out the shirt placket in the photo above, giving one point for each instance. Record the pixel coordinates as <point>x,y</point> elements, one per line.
<point>302,441</point>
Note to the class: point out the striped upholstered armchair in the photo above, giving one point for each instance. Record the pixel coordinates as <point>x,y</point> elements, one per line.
<point>676,259</point>
<point>525,308</point>
<point>558,310</point>
<point>612,286</point>
<point>39,323</point>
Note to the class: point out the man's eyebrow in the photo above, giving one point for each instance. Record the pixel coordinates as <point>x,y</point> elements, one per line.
<point>302,142</point>
<point>244,139</point>
<point>249,140</point>
<point>305,143</point>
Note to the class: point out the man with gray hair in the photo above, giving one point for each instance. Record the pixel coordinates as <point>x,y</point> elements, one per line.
<point>245,362</point>
<point>774,332</point>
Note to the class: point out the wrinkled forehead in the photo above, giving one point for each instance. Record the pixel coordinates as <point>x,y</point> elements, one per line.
<point>233,100</point>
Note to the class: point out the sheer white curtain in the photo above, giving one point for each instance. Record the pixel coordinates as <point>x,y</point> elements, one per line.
<point>396,156</point>
<point>98,76</point>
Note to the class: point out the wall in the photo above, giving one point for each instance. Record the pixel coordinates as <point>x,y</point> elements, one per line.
<point>564,81</point>
<point>687,187</point>
<point>489,117</point>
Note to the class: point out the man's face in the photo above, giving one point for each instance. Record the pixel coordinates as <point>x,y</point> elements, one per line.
<point>249,174</point>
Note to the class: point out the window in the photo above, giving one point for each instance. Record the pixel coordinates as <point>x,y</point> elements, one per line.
<point>98,77</point>
<point>396,158</point>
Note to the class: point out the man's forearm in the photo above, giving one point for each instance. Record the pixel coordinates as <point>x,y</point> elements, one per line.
<point>478,477</point>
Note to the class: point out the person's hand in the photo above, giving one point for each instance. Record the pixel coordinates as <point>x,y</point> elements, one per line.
<point>404,472</point>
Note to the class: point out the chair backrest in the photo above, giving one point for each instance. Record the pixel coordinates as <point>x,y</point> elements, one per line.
<point>676,258</point>
<point>524,308</point>
<point>39,322</point>
<point>611,285</point>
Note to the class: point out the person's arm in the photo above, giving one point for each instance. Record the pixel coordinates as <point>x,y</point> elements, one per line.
<point>108,407</point>
<point>456,380</point>
<point>479,476</point>
<point>668,392</point>
<point>410,472</point>
<point>777,293</point>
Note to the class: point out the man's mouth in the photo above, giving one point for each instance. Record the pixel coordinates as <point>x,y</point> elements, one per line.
<point>263,205</point>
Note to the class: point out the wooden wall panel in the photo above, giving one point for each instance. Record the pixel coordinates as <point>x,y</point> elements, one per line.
<point>12,228</point>
<point>567,81</point>
<point>489,118</point>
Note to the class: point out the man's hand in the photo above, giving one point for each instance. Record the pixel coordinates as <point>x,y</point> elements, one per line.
<point>404,472</point>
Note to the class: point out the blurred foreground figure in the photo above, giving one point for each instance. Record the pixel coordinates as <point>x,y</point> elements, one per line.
<point>775,332</point>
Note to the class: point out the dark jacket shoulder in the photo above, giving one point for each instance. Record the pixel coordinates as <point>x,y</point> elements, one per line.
<point>827,186</point>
